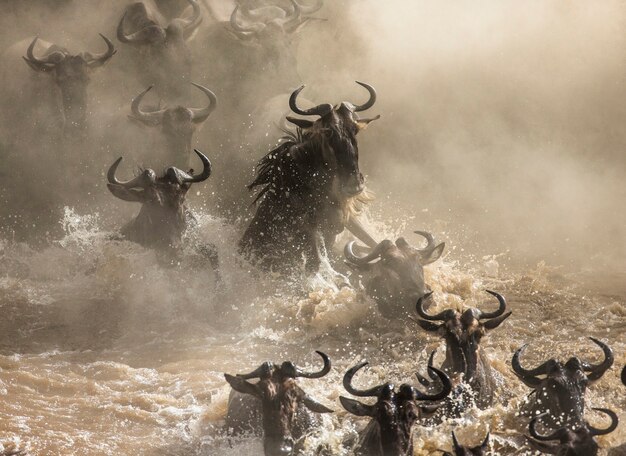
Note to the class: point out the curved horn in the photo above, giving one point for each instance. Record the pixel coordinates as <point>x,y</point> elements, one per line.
<point>325,370</point>
<point>263,371</point>
<point>239,28</point>
<point>352,257</point>
<point>315,7</point>
<point>201,114</point>
<point>614,422</point>
<point>596,371</point>
<point>34,62</point>
<point>347,383</point>
<point>430,241</point>
<point>624,375</point>
<point>527,376</point>
<point>485,443</point>
<point>149,118</point>
<point>97,60</point>
<point>206,170</point>
<point>121,36</point>
<point>445,388</point>
<point>498,312</point>
<point>556,435</point>
<point>369,102</point>
<point>319,110</point>
<point>419,308</point>
<point>292,22</point>
<point>194,21</point>
<point>135,182</point>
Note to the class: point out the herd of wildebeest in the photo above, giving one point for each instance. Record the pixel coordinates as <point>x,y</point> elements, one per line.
<point>309,190</point>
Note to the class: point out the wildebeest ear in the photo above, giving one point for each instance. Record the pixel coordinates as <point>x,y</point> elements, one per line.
<point>315,406</point>
<point>356,407</point>
<point>434,254</point>
<point>495,322</point>
<point>242,386</point>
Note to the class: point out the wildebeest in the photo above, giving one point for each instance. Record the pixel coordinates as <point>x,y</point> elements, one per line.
<point>308,186</point>
<point>164,59</point>
<point>70,73</point>
<point>163,216</point>
<point>578,441</point>
<point>393,415</point>
<point>460,450</point>
<point>561,394</point>
<point>177,123</point>
<point>396,280</point>
<point>465,360</point>
<point>275,406</point>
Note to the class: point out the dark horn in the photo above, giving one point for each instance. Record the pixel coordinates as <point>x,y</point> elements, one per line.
<point>556,435</point>
<point>319,110</point>
<point>624,375</point>
<point>614,422</point>
<point>446,387</point>
<point>201,114</point>
<point>370,102</point>
<point>457,446</point>
<point>100,59</point>
<point>498,312</point>
<point>206,170</point>
<point>596,371</point>
<point>34,62</point>
<point>485,443</point>
<point>149,118</point>
<point>325,370</point>
<point>114,180</point>
<point>194,21</point>
<point>419,307</point>
<point>527,376</point>
<point>348,252</point>
<point>347,383</point>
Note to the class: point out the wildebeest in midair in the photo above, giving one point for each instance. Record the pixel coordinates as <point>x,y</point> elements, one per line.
<point>460,450</point>
<point>561,392</point>
<point>70,75</point>
<point>465,360</point>
<point>177,124</point>
<point>394,272</point>
<point>389,432</point>
<point>309,187</point>
<point>164,58</point>
<point>163,217</point>
<point>275,406</point>
<point>565,441</point>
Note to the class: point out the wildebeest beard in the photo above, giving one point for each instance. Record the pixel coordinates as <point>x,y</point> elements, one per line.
<point>310,185</point>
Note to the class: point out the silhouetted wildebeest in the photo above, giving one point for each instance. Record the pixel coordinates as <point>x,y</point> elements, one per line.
<point>177,123</point>
<point>561,394</point>
<point>60,85</point>
<point>460,450</point>
<point>577,441</point>
<point>308,187</point>
<point>394,273</point>
<point>163,216</point>
<point>164,58</point>
<point>389,432</point>
<point>275,406</point>
<point>465,360</point>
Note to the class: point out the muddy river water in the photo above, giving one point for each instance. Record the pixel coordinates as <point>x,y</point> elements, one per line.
<point>104,351</point>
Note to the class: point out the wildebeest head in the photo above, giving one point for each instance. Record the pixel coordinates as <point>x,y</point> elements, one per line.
<point>71,75</point>
<point>394,412</point>
<point>177,123</point>
<point>336,131</point>
<point>572,442</point>
<point>463,332</point>
<point>561,392</point>
<point>153,34</point>
<point>460,450</point>
<point>281,397</point>
<point>396,280</point>
<point>163,217</point>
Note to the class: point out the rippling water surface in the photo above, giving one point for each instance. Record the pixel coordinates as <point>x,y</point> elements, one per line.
<point>105,350</point>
